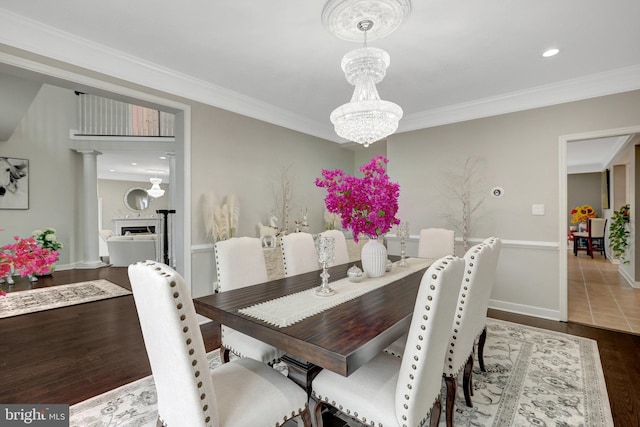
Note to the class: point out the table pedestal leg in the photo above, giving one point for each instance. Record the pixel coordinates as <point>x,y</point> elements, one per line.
<point>301,372</point>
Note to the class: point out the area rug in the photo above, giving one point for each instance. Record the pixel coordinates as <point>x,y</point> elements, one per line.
<point>40,299</point>
<point>534,377</point>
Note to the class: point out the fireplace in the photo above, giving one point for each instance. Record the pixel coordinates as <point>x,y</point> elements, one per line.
<point>136,225</point>
<point>138,229</point>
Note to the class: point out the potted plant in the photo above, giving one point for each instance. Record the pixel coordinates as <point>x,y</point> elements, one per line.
<point>366,205</point>
<point>26,258</point>
<point>619,234</point>
<point>47,239</point>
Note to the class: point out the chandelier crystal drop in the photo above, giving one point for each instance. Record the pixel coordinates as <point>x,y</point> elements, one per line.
<point>366,118</point>
<point>155,191</point>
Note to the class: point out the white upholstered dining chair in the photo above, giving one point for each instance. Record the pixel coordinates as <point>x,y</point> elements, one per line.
<point>435,243</point>
<point>340,251</point>
<point>240,262</point>
<point>298,254</point>
<point>388,391</point>
<point>470,321</point>
<point>481,328</point>
<point>189,393</point>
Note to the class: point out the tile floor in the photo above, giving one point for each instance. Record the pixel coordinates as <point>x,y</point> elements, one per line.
<point>600,296</point>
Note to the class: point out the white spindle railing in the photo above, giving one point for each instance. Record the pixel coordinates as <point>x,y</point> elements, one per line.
<point>103,116</point>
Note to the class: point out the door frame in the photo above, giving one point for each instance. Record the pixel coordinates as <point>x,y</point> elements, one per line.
<point>563,140</point>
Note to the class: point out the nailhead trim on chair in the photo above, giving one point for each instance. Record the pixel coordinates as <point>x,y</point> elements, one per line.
<point>467,279</point>
<point>425,317</point>
<point>188,341</point>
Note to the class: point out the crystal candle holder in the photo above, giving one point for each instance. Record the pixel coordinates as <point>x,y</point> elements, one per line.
<point>326,247</point>
<point>403,234</point>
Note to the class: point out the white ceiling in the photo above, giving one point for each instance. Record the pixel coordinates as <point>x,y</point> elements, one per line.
<point>274,60</point>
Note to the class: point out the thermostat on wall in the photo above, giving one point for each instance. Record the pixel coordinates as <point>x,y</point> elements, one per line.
<point>497,191</point>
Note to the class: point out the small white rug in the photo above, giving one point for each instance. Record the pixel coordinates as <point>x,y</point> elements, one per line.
<point>40,299</point>
<point>534,377</point>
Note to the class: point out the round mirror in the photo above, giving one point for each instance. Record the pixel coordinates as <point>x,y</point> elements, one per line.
<point>137,199</point>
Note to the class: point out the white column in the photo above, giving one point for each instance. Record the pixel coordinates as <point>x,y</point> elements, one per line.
<point>90,229</point>
<point>173,186</point>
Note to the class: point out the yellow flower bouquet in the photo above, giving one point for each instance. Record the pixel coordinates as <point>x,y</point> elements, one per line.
<point>582,214</point>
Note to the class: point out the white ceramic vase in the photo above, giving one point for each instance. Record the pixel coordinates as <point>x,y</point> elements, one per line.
<point>374,258</point>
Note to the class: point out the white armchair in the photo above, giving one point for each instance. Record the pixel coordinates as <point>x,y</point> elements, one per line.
<point>436,242</point>
<point>243,392</point>
<point>239,263</point>
<point>298,254</point>
<point>388,391</point>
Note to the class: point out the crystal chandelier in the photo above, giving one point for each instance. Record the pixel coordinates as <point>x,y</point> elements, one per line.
<point>366,118</point>
<point>155,191</point>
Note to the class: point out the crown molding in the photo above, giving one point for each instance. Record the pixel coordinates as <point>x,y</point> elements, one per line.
<point>601,84</point>
<point>32,36</point>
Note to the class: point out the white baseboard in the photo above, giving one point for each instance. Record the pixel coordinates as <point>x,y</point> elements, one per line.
<point>525,309</point>
<point>630,280</point>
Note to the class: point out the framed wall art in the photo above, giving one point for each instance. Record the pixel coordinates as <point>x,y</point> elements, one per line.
<point>14,183</point>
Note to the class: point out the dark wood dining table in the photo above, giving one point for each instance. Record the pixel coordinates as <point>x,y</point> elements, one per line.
<point>340,339</point>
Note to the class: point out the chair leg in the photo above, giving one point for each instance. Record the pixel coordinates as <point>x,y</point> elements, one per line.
<point>224,354</point>
<point>436,409</point>
<point>451,399</point>
<point>590,247</point>
<point>466,381</point>
<point>481,341</point>
<point>306,417</point>
<point>318,414</point>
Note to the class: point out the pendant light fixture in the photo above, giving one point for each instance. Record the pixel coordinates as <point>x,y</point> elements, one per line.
<point>366,118</point>
<point>155,191</point>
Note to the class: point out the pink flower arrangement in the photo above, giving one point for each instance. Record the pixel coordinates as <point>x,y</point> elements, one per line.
<point>26,257</point>
<point>366,205</point>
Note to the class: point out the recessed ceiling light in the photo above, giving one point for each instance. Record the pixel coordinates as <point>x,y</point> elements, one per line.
<point>550,52</point>
<point>112,170</point>
<point>134,164</point>
<point>163,158</point>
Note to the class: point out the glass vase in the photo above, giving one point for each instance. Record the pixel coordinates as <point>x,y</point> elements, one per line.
<point>326,246</point>
<point>403,234</point>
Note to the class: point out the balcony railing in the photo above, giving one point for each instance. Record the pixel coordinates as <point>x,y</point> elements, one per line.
<point>99,116</point>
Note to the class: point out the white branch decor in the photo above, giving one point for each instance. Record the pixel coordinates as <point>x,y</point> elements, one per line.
<point>466,188</point>
<point>283,197</point>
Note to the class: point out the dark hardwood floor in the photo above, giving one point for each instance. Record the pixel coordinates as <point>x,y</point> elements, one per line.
<point>70,354</point>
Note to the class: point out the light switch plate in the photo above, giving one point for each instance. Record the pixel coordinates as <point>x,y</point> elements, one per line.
<point>537,209</point>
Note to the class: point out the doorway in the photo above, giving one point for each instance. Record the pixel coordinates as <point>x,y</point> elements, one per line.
<point>598,291</point>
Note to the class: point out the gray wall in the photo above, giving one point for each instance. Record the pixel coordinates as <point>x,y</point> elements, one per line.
<point>55,172</point>
<point>112,192</point>
<point>519,152</point>
<point>584,189</point>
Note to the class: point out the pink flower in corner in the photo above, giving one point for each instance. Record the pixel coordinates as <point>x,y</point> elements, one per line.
<point>26,257</point>
<point>366,205</point>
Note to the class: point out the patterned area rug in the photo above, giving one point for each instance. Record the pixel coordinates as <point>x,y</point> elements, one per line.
<point>534,377</point>
<point>32,300</point>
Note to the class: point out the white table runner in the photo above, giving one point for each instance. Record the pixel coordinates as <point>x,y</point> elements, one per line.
<point>290,309</point>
